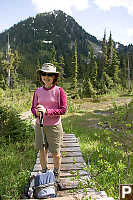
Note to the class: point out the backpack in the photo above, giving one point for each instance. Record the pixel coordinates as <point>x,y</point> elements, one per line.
<point>44,185</point>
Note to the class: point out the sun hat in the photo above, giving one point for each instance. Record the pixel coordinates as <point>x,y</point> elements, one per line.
<point>49,68</point>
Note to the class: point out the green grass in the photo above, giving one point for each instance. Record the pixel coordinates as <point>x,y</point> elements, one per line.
<point>101,148</point>
<point>16,163</point>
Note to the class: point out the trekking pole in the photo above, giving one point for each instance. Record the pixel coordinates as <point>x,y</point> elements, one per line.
<point>41,125</point>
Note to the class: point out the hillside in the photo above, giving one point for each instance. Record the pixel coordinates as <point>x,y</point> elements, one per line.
<point>34,37</point>
<point>55,26</point>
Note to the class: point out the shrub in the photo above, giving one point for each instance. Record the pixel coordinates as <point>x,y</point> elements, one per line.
<point>12,128</point>
<point>1,93</point>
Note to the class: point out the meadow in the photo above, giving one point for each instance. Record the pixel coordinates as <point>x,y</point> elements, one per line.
<point>103,126</point>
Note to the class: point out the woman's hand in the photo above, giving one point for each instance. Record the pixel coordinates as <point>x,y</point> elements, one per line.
<point>40,108</point>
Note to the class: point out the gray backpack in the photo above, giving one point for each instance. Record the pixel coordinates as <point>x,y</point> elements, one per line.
<point>44,185</point>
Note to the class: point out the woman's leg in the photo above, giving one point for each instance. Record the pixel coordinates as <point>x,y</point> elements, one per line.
<point>57,165</point>
<point>57,160</point>
<point>44,158</point>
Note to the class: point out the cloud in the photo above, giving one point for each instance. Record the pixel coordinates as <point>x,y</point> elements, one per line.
<point>108,4</point>
<point>130,32</point>
<point>64,5</point>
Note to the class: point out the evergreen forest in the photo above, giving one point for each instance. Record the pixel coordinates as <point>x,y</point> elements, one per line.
<point>56,37</point>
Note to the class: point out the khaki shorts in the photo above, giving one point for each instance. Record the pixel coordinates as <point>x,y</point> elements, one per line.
<point>52,136</point>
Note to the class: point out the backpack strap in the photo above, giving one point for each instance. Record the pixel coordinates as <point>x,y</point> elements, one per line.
<point>44,186</point>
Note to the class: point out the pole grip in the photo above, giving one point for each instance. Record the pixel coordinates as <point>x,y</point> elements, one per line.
<point>41,118</point>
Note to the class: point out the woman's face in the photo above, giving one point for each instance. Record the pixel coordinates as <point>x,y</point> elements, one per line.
<point>47,79</point>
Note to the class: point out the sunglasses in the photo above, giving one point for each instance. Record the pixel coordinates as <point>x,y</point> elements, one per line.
<point>47,74</point>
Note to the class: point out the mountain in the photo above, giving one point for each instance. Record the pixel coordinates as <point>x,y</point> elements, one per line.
<point>33,37</point>
<point>55,26</point>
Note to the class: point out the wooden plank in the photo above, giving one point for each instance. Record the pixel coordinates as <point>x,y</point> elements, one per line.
<point>81,194</point>
<point>71,166</point>
<point>64,174</point>
<point>66,154</point>
<point>70,195</point>
<point>71,182</point>
<point>64,167</point>
<point>67,134</point>
<point>71,154</point>
<point>72,160</point>
<point>65,160</point>
<point>70,149</point>
<point>70,139</point>
<point>70,144</point>
<point>73,173</point>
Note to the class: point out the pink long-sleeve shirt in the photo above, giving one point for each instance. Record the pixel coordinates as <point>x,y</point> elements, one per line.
<point>54,100</point>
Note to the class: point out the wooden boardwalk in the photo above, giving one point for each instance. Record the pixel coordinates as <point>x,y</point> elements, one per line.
<point>71,165</point>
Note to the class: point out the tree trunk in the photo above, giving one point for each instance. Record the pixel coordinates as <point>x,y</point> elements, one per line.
<point>9,77</point>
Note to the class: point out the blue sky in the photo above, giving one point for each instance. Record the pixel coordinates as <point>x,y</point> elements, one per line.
<point>93,15</point>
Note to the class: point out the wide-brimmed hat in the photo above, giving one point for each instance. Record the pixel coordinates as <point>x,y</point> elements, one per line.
<point>49,68</point>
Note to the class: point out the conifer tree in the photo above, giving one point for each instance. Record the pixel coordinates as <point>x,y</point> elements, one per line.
<point>108,82</point>
<point>75,67</point>
<point>75,72</point>
<point>10,65</point>
<point>17,61</point>
<point>88,90</point>
<point>2,72</point>
<point>94,73</point>
<point>38,64</point>
<point>59,66</point>
<point>129,73</point>
<point>61,70</point>
<point>110,49</point>
<point>131,64</point>
<point>91,62</point>
<point>124,72</point>
<point>110,55</point>
<point>104,57</point>
<point>115,68</point>
<point>38,67</point>
<point>53,56</point>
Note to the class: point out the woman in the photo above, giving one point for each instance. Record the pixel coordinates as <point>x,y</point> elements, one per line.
<point>51,101</point>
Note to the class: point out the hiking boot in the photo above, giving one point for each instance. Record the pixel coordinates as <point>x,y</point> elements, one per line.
<point>44,170</point>
<point>57,179</point>
<point>56,174</point>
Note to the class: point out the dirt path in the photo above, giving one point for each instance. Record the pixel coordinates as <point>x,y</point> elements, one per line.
<point>102,108</point>
<point>104,105</point>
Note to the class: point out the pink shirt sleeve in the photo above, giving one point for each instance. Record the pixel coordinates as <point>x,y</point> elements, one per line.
<point>34,103</point>
<point>63,105</point>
